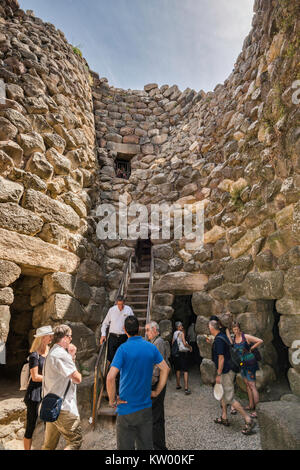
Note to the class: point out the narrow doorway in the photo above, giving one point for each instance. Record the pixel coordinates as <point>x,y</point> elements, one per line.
<point>27,294</point>
<point>143,255</point>
<point>282,364</point>
<point>183,312</point>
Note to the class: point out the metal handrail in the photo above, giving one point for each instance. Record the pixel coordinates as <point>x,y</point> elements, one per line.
<point>97,371</point>
<point>149,303</point>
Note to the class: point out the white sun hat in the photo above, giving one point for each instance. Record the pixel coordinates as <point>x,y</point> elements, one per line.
<point>218,392</point>
<point>44,331</point>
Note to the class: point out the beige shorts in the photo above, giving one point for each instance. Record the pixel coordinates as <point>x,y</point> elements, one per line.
<point>227,381</point>
<point>67,425</point>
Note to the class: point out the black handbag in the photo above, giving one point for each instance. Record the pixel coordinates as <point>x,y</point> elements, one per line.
<point>175,349</point>
<point>51,405</point>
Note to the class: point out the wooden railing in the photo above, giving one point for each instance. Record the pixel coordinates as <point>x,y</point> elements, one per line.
<point>101,369</point>
<point>149,303</point>
<point>99,376</point>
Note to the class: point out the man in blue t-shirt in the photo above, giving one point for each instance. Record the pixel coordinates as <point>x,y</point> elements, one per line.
<point>135,360</point>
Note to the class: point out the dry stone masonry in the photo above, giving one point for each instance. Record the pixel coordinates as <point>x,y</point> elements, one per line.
<point>48,170</point>
<point>236,149</point>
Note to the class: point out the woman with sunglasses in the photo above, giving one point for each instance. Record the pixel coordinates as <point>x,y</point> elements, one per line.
<point>38,353</point>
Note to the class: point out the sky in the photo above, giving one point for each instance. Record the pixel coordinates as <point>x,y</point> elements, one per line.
<point>190,43</point>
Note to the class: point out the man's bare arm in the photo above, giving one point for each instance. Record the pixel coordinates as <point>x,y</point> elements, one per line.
<point>76,377</point>
<point>111,385</point>
<point>164,372</point>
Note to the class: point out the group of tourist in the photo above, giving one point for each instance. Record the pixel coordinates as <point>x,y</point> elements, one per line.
<point>137,378</point>
<point>53,372</point>
<point>245,346</point>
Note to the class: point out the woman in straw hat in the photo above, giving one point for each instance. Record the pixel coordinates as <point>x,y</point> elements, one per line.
<point>38,352</point>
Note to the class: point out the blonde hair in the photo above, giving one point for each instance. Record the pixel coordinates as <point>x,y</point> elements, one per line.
<point>36,344</point>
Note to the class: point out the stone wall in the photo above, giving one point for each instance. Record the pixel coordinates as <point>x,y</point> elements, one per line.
<point>237,150</point>
<point>47,179</point>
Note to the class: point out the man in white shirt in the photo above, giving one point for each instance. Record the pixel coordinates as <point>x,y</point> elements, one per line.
<point>59,371</point>
<point>115,320</point>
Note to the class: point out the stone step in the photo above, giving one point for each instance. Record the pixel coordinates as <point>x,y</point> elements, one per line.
<point>140,276</point>
<point>137,286</point>
<point>133,294</point>
<point>137,291</point>
<point>139,304</point>
<point>137,298</point>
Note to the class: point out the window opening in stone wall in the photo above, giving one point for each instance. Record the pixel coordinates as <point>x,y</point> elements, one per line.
<point>123,168</point>
<point>183,311</point>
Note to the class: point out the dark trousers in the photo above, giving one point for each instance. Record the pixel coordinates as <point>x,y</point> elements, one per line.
<point>158,417</point>
<point>134,431</point>
<point>32,416</point>
<point>114,342</point>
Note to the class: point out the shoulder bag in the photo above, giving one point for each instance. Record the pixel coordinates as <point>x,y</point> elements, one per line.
<point>51,404</point>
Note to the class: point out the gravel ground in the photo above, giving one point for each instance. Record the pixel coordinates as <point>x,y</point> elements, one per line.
<point>189,424</point>
<point>190,421</point>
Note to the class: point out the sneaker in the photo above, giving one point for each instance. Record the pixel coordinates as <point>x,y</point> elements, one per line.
<point>178,387</point>
<point>187,391</point>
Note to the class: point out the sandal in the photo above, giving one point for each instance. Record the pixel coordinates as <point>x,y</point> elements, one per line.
<point>247,430</point>
<point>233,412</point>
<point>178,387</point>
<point>249,409</point>
<point>187,391</point>
<point>223,421</point>
<point>253,415</point>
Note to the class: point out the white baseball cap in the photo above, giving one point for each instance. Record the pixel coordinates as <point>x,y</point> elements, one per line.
<point>44,331</point>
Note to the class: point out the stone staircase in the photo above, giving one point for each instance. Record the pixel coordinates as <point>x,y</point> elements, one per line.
<point>136,293</point>
<point>137,297</point>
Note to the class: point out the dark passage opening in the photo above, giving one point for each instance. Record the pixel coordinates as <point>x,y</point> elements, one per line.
<point>183,311</point>
<point>123,168</point>
<point>20,327</point>
<point>143,255</point>
<point>282,364</point>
